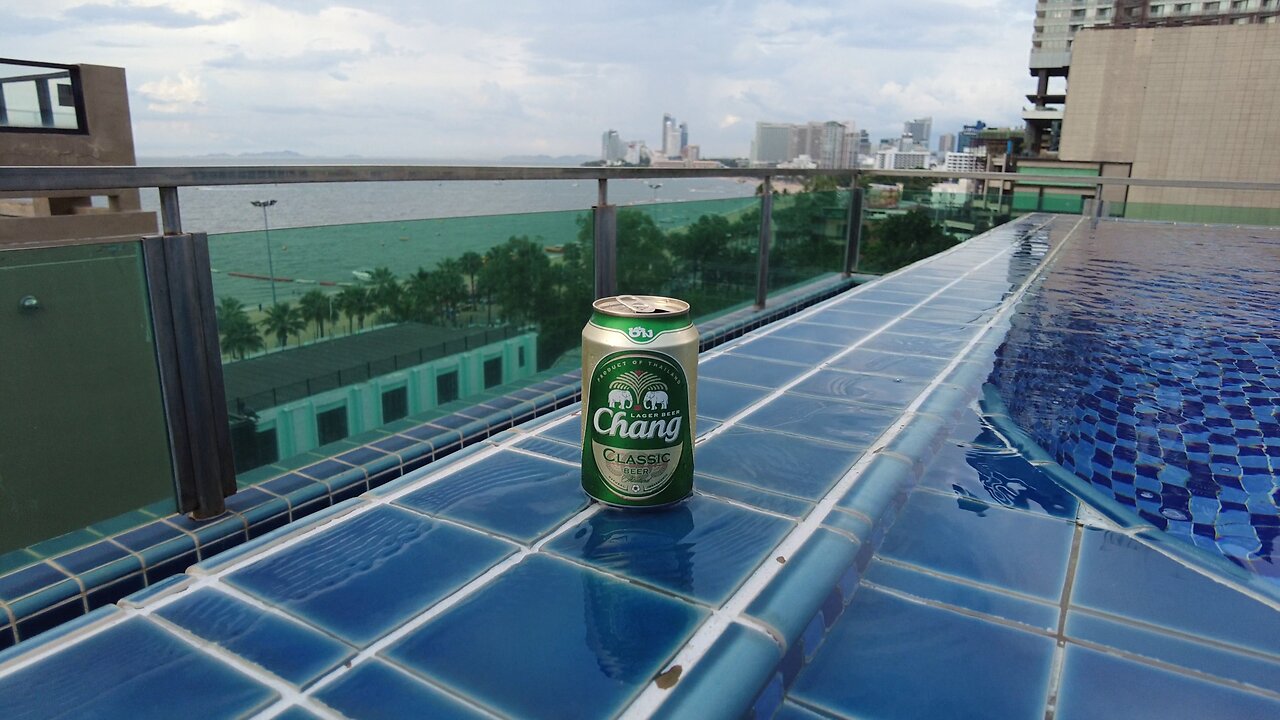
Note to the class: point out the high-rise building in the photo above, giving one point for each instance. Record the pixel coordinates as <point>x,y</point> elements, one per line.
<point>864,143</point>
<point>969,135</point>
<point>670,137</point>
<point>1057,25</point>
<point>684,138</point>
<point>946,143</point>
<point>772,143</point>
<point>894,159</point>
<point>612,147</point>
<point>964,162</point>
<point>919,129</point>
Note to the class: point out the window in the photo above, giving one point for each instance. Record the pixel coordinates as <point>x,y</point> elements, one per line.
<point>446,387</point>
<point>520,356</point>
<point>395,404</point>
<point>1157,10</point>
<point>492,372</point>
<point>1211,7</point>
<point>1103,13</point>
<point>1239,5</point>
<point>1077,13</point>
<point>1182,8</point>
<point>331,425</point>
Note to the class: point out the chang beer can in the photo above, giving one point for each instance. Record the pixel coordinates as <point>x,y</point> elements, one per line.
<point>639,392</point>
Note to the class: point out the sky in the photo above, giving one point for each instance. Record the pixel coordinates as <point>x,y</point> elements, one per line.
<point>482,80</point>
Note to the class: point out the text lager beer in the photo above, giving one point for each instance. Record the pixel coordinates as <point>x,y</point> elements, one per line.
<point>639,395</point>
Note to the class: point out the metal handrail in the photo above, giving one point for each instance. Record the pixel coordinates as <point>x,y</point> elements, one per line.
<point>54,178</point>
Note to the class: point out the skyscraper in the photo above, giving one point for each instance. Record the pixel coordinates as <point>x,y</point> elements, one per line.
<point>684,137</point>
<point>670,137</point>
<point>919,129</point>
<point>612,147</point>
<point>969,136</point>
<point>772,143</point>
<point>946,143</point>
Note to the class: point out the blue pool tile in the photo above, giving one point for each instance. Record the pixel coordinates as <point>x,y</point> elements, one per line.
<point>773,348</point>
<point>378,691</point>
<point>773,461</point>
<point>874,389</point>
<point>297,712</point>
<point>880,489</point>
<point>811,332</point>
<point>702,548</point>
<point>1176,650</point>
<point>1039,615</point>
<point>284,647</point>
<point>133,670</point>
<point>568,431</point>
<point>916,345</point>
<point>1120,576</point>
<point>727,679</point>
<point>835,420</point>
<point>367,575</point>
<point>552,448</point>
<point>56,635</point>
<point>723,400</point>
<point>844,318</point>
<point>87,558</point>
<point>792,711</point>
<point>888,657</point>
<point>590,642</point>
<point>750,371</point>
<point>918,367</point>
<point>997,475</point>
<point>515,495</point>
<point>1096,686</point>
<point>849,523</point>
<point>755,497</point>
<point>29,580</point>
<point>796,594</point>
<point>982,543</point>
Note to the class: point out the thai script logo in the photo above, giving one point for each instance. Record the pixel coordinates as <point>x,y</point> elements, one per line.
<point>640,333</point>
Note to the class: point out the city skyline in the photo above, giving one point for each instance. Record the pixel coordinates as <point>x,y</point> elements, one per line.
<point>395,79</point>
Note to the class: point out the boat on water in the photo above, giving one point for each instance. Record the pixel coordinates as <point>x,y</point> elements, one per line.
<point>362,274</point>
<point>553,249</point>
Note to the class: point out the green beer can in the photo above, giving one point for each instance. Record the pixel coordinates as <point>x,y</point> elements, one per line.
<point>639,400</point>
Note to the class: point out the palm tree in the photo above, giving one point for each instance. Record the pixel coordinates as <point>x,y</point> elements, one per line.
<point>229,308</point>
<point>357,304</point>
<point>471,263</point>
<point>283,320</point>
<point>316,307</point>
<point>385,290</point>
<point>239,336</point>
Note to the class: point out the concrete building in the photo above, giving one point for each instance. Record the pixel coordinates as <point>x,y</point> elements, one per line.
<point>946,143</point>
<point>670,137</point>
<point>827,143</point>
<point>1172,103</point>
<point>772,143</point>
<point>1058,22</point>
<point>67,115</point>
<point>894,159</point>
<point>969,135</point>
<point>964,162</point>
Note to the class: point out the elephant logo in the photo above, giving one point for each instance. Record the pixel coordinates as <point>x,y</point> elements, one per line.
<point>655,400</point>
<point>620,399</point>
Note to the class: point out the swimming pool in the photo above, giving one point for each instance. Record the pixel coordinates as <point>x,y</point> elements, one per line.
<point>1147,362</point>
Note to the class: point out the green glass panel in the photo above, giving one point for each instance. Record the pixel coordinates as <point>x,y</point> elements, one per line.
<point>391,320</point>
<point>703,252</point>
<point>81,415</point>
<point>808,237</point>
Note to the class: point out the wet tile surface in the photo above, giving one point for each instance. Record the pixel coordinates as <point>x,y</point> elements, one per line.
<point>366,576</point>
<point>882,390</point>
<point>378,690</point>
<point>589,641</point>
<point>701,549</point>
<point>773,461</point>
<point>133,670</point>
<point>888,657</point>
<point>835,420</point>
<point>513,495</point>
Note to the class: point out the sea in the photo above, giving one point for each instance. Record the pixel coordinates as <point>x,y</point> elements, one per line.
<point>327,235</point>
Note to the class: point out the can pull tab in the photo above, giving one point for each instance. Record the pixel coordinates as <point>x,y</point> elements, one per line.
<point>635,304</point>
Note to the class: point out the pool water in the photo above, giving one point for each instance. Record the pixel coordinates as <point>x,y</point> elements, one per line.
<point>1147,362</point>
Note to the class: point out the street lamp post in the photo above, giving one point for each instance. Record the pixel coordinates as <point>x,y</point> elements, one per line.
<point>654,187</point>
<point>264,204</point>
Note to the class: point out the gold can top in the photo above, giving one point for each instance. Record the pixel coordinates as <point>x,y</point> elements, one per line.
<point>640,306</point>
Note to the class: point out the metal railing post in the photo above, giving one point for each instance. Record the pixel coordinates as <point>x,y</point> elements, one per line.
<point>853,231</point>
<point>766,231</point>
<point>170,214</point>
<point>1097,206</point>
<point>606,244</point>
<point>190,361</point>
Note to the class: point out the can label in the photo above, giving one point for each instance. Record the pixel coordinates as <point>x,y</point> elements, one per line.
<point>637,437</point>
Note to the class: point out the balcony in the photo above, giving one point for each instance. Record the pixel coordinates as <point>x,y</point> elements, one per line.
<point>891,487</point>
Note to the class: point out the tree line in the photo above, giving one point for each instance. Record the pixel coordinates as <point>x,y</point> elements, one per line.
<point>711,263</point>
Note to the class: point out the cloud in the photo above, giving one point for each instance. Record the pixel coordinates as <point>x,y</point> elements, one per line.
<point>161,16</point>
<point>173,95</point>
<point>729,121</point>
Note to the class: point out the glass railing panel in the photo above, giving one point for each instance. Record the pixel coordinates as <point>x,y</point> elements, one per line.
<point>345,332</point>
<point>37,96</point>
<point>809,237</point>
<point>704,252</point>
<point>84,448</point>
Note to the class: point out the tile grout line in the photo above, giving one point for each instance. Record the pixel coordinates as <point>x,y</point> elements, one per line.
<point>647,703</point>
<point>892,562</point>
<point>958,609</point>
<point>1060,646</point>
